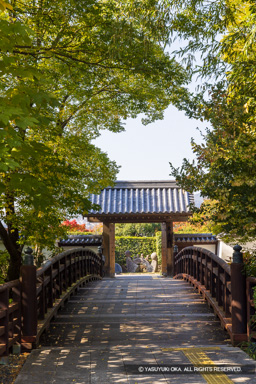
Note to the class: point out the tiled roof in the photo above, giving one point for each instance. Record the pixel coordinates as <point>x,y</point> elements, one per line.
<point>96,240</point>
<point>81,240</point>
<point>195,238</point>
<point>142,197</point>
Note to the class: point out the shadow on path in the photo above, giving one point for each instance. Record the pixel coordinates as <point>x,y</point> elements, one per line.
<point>132,320</point>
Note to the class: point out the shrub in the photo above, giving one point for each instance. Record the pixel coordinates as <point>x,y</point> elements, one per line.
<point>159,246</point>
<point>75,233</point>
<point>4,264</point>
<point>139,230</point>
<point>136,245</point>
<point>73,226</point>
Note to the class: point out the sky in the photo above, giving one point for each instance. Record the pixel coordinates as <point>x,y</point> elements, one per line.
<point>144,152</point>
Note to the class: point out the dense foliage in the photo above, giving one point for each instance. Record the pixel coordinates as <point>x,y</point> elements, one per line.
<point>69,69</point>
<point>74,227</point>
<point>223,33</point>
<point>4,263</point>
<point>141,229</point>
<point>158,237</point>
<point>136,245</point>
<point>201,221</point>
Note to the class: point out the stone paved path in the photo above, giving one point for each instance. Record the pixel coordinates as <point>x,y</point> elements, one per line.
<point>133,320</point>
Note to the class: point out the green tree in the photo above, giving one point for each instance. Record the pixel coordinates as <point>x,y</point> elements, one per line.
<point>145,229</point>
<point>200,221</point>
<point>69,69</point>
<point>224,169</point>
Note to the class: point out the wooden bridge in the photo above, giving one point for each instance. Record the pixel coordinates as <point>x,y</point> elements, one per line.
<point>103,331</point>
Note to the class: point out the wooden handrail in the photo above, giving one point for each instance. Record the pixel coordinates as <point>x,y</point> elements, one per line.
<point>251,310</point>
<point>224,286</point>
<point>205,252</point>
<point>35,298</point>
<point>9,285</point>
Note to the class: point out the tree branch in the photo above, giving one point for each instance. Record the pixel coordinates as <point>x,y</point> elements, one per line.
<point>70,57</point>
<point>11,248</point>
<point>67,120</point>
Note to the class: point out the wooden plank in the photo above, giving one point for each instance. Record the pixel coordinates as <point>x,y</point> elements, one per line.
<point>13,323</point>
<point>44,324</point>
<point>222,277</point>
<point>3,313</point>
<point>38,288</point>
<point>226,321</point>
<point>2,349</point>
<point>29,300</point>
<point>46,280</point>
<point>13,307</point>
<point>4,302</point>
<point>13,340</point>
<point>54,273</point>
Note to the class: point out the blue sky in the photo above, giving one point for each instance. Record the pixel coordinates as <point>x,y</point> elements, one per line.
<point>144,152</point>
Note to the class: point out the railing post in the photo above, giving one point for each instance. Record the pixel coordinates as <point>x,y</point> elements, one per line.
<point>82,264</point>
<point>197,266</point>
<point>100,261</point>
<point>42,304</point>
<point>29,301</point>
<point>194,264</point>
<point>175,253</point>
<point>238,292</point>
<point>4,323</point>
<point>201,267</point>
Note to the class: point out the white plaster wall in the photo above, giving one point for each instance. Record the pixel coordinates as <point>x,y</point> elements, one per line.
<point>224,251</point>
<point>90,247</point>
<point>210,247</point>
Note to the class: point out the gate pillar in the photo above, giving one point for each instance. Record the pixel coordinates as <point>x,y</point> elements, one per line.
<point>108,246</point>
<point>167,249</point>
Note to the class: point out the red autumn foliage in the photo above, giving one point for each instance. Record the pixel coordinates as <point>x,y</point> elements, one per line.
<point>73,226</point>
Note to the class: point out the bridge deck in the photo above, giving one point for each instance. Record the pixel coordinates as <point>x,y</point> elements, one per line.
<point>132,319</point>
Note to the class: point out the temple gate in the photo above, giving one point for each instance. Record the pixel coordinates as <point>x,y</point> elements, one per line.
<point>141,202</point>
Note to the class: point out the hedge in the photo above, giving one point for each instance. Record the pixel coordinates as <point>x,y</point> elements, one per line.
<point>159,246</point>
<point>136,245</point>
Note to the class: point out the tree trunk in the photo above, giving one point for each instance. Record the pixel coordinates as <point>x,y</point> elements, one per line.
<point>14,251</point>
<point>14,267</point>
<point>10,237</point>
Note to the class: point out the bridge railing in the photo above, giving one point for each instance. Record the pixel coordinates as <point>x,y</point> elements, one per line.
<point>224,286</point>
<point>27,305</point>
<point>10,316</point>
<point>251,310</point>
